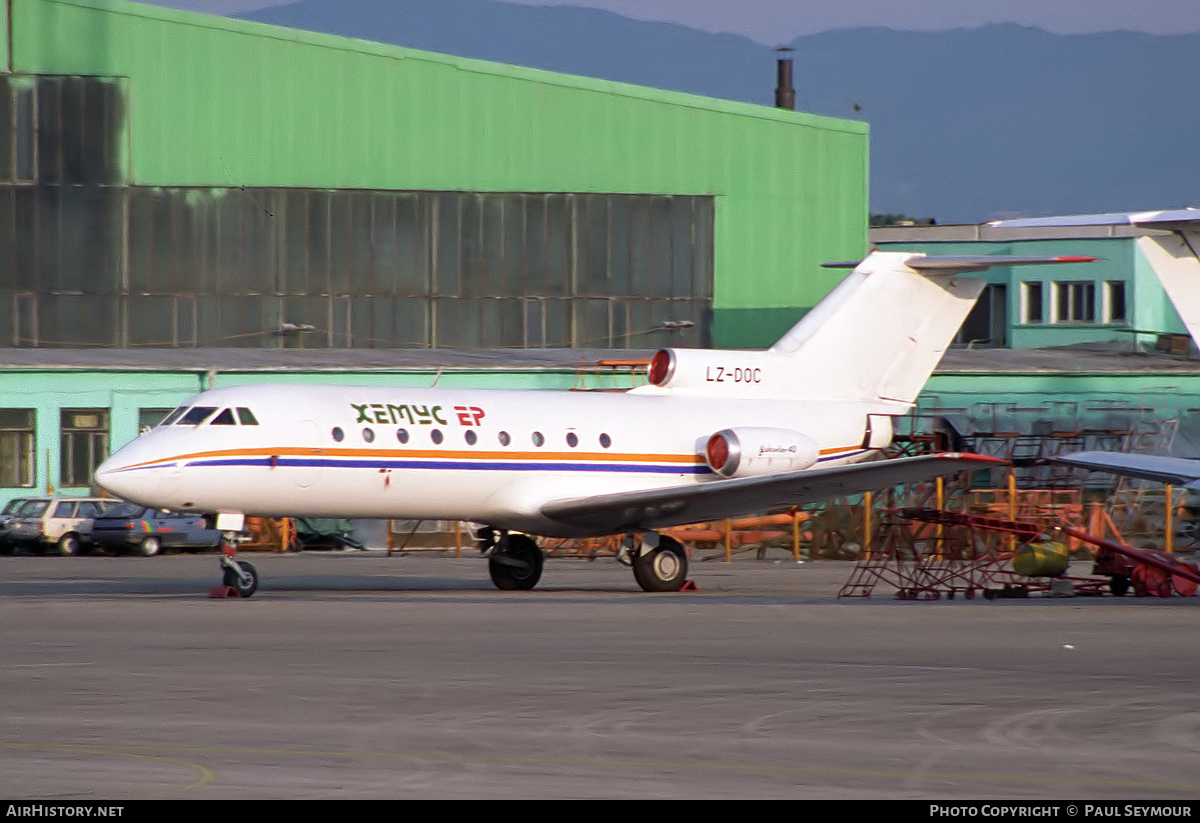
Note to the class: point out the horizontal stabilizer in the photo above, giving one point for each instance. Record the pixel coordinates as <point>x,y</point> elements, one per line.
<point>661,508</point>
<point>1180,470</point>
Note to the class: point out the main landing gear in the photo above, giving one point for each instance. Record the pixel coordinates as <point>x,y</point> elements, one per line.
<point>515,562</point>
<point>659,562</point>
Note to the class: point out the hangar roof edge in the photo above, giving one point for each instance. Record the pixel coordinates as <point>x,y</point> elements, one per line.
<point>333,41</point>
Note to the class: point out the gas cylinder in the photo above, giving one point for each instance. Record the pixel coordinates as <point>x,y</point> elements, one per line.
<point>1041,559</point>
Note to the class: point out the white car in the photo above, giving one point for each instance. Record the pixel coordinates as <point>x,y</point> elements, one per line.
<point>61,522</point>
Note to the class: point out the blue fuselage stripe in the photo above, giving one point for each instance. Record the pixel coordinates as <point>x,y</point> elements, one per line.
<point>467,465</point>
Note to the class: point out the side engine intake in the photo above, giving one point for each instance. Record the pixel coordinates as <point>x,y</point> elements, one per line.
<point>750,451</point>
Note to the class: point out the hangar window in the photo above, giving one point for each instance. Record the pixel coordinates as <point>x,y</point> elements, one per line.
<point>1031,302</point>
<point>84,444</point>
<point>1114,301</point>
<point>149,418</point>
<point>1075,302</point>
<point>17,435</point>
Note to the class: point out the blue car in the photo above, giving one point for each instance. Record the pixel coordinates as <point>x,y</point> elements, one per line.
<point>130,528</point>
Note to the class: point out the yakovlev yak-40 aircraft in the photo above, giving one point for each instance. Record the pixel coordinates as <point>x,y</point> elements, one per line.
<point>715,434</point>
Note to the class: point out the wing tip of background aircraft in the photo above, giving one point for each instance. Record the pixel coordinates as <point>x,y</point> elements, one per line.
<point>971,263</point>
<point>1188,215</point>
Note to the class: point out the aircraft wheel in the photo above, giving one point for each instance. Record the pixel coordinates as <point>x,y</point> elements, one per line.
<point>150,547</point>
<point>516,564</point>
<point>244,587</point>
<point>663,569</point>
<point>1118,584</point>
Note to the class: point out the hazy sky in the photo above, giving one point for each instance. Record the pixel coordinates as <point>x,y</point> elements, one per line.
<point>775,21</point>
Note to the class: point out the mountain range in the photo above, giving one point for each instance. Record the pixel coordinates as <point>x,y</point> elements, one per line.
<point>967,125</point>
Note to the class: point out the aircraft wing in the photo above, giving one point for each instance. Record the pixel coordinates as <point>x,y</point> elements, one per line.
<point>1168,219</point>
<point>1164,469</point>
<point>661,508</point>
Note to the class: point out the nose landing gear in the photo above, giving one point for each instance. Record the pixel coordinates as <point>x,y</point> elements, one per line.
<point>238,578</point>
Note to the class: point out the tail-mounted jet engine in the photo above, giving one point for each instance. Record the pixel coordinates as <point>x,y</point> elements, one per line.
<point>750,451</point>
<point>731,373</point>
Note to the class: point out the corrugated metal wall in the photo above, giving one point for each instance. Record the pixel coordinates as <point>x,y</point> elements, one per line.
<point>222,103</point>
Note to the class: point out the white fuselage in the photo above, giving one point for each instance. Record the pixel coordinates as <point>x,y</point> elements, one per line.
<point>449,454</point>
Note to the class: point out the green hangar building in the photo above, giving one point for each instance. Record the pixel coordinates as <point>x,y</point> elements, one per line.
<point>173,179</point>
<point>176,181</point>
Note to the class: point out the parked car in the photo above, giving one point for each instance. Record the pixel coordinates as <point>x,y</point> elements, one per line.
<point>133,528</point>
<point>65,523</point>
<point>6,520</point>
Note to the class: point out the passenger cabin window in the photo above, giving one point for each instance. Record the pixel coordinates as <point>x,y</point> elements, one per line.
<point>246,416</point>
<point>197,415</point>
<point>225,418</point>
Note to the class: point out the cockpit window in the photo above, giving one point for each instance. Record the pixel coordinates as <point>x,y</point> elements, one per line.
<point>197,415</point>
<point>173,416</point>
<point>246,416</point>
<point>225,418</point>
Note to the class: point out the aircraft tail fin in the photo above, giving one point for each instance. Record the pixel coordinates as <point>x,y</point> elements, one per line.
<point>882,331</point>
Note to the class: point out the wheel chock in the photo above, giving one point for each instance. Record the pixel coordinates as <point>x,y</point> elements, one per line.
<point>224,591</point>
<point>689,586</point>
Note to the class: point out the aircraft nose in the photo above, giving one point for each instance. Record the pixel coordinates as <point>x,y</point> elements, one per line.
<point>109,477</point>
